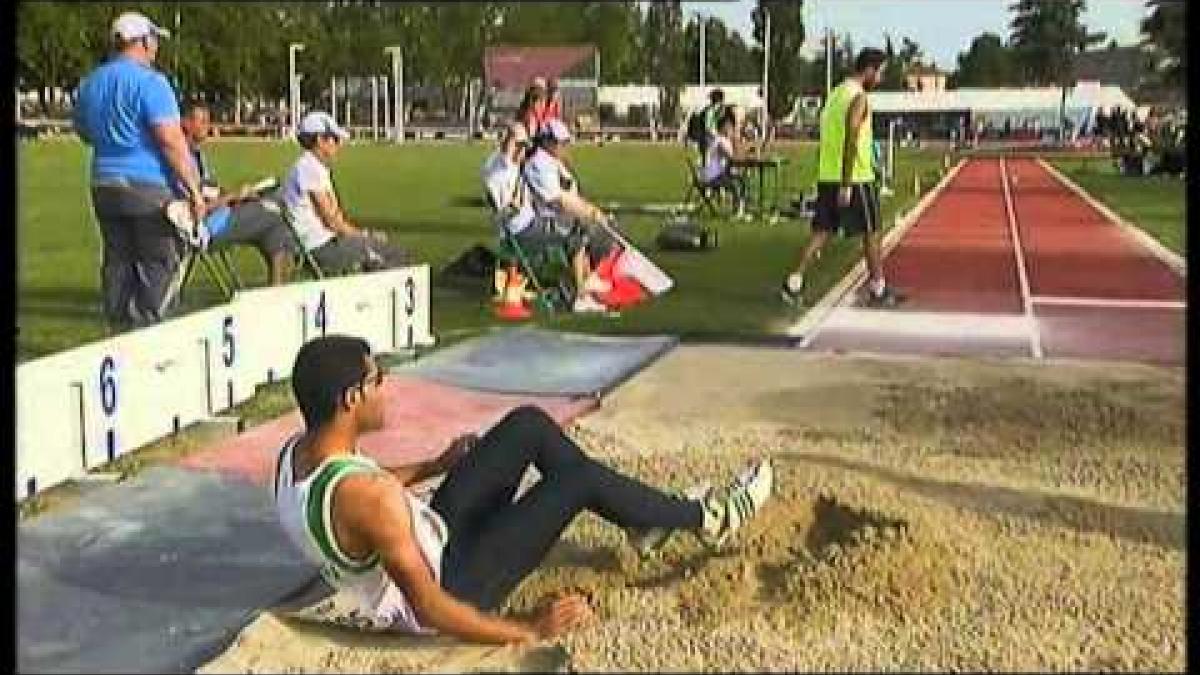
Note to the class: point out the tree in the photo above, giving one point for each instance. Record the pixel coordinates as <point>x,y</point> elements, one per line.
<point>727,56</point>
<point>787,66</point>
<point>987,63</point>
<point>662,36</point>
<point>1163,32</point>
<point>899,63</point>
<point>1047,36</point>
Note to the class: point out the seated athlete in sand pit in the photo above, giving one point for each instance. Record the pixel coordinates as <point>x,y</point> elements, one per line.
<point>446,566</point>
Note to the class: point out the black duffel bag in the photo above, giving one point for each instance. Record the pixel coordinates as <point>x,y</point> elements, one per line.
<point>683,234</point>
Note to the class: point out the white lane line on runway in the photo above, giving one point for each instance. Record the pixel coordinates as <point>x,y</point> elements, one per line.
<point>965,325</point>
<point>1035,336</point>
<point>1116,303</point>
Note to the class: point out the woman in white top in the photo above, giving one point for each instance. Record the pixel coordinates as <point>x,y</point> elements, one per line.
<point>315,212</point>
<point>718,171</point>
<point>444,566</point>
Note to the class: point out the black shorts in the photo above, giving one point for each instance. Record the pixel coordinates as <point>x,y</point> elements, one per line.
<point>860,217</point>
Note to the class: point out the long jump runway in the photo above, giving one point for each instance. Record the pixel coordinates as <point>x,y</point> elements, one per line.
<point>1008,261</point>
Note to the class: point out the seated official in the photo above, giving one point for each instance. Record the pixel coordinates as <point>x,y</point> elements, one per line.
<point>239,217</point>
<point>310,198</point>
<point>718,171</point>
<point>563,216</point>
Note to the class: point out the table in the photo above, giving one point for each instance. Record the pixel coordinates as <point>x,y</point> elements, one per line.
<point>762,166</point>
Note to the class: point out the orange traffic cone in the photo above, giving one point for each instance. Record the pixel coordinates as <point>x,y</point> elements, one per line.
<point>511,306</point>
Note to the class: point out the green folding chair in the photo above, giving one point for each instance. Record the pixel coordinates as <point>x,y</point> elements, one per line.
<point>548,268</point>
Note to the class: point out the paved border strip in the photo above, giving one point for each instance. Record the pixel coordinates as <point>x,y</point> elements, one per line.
<point>808,326</point>
<point>1172,259</point>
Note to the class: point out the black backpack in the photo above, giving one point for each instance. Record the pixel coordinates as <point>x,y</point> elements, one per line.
<point>696,129</point>
<point>686,234</point>
<point>474,267</point>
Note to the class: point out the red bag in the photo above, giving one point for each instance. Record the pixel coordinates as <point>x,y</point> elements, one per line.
<point>625,291</point>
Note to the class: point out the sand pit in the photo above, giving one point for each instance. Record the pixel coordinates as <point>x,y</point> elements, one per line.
<point>950,515</point>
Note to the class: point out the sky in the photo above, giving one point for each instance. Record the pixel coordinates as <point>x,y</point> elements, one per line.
<point>943,28</point>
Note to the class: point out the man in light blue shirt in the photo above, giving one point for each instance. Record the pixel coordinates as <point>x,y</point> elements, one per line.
<point>126,110</point>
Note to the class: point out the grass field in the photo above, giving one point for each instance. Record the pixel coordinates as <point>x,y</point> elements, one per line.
<point>1157,205</point>
<point>427,196</point>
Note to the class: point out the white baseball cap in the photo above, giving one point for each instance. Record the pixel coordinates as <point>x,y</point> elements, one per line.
<point>133,25</point>
<point>319,122</point>
<point>558,131</point>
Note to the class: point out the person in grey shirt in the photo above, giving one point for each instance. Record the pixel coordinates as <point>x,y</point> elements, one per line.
<point>127,112</point>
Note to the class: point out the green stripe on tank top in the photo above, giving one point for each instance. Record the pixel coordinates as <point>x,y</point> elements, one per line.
<point>320,501</point>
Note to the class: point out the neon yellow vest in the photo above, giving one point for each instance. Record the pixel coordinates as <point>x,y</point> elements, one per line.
<point>833,138</point>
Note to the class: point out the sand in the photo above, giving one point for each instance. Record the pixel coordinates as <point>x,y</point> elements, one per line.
<point>930,514</point>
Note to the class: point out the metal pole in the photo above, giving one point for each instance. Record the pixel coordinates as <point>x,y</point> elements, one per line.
<point>397,92</point>
<point>828,62</point>
<point>891,153</point>
<point>294,83</point>
<point>333,97</point>
<point>701,20</point>
<point>766,115</point>
<point>387,106</point>
<point>375,107</point>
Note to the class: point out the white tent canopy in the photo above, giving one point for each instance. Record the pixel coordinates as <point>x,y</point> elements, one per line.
<point>1041,104</point>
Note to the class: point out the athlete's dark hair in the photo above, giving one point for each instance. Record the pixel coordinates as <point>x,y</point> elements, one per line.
<point>191,105</point>
<point>324,369</point>
<point>716,96</point>
<point>869,57</point>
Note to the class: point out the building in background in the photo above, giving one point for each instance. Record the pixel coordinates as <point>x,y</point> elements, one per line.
<point>508,70</point>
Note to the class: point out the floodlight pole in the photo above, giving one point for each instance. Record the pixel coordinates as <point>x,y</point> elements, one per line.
<point>375,107</point>
<point>766,115</point>
<point>828,62</point>
<point>398,91</point>
<point>700,19</point>
<point>294,83</point>
<point>387,104</point>
<point>333,97</point>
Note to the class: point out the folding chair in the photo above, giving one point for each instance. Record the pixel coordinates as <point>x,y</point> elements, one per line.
<point>696,185</point>
<point>304,259</point>
<point>217,265</point>
<point>547,268</point>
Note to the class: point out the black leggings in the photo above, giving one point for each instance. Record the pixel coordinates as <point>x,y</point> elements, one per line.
<point>496,542</point>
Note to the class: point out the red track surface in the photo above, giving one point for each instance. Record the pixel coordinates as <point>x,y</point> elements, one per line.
<point>1092,291</point>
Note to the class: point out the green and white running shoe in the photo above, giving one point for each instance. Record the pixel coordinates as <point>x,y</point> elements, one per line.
<point>728,508</point>
<point>649,540</point>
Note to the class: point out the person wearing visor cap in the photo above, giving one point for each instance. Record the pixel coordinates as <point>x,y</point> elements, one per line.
<point>310,198</point>
<point>563,216</point>
<point>128,113</point>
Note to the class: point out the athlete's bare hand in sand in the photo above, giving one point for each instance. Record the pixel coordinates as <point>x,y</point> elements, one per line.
<point>562,614</point>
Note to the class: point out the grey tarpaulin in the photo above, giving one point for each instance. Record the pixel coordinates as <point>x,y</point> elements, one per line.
<point>155,574</point>
<point>541,362</point>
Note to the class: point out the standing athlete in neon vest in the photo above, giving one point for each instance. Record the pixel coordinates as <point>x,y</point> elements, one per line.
<point>847,197</point>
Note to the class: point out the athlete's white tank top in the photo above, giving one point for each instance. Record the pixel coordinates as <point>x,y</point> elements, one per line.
<point>305,511</point>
